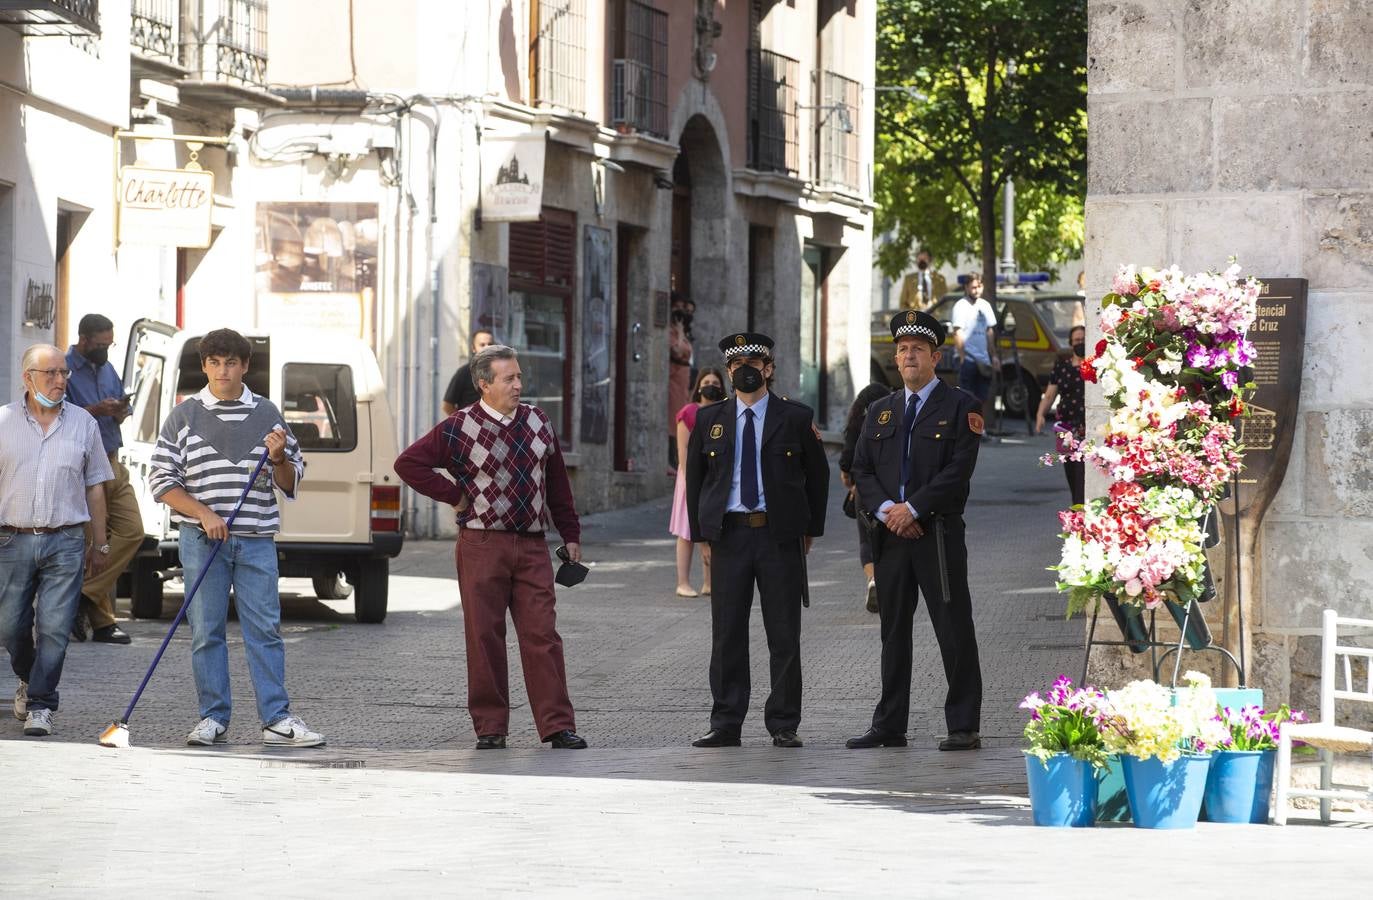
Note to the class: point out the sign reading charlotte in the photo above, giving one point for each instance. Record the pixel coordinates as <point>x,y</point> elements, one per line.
<point>165,206</point>
<point>512,177</point>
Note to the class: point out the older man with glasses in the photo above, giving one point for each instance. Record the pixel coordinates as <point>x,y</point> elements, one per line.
<point>53,469</point>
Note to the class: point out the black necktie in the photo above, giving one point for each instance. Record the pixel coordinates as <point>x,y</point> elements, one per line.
<point>748,465</point>
<point>907,423</point>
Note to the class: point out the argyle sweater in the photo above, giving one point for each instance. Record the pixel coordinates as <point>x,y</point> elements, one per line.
<point>513,475</point>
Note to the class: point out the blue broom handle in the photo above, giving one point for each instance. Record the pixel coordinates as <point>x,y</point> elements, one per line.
<point>181,613</point>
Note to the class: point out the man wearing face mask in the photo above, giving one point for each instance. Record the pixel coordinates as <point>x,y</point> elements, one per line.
<point>52,468</point>
<point>757,485</point>
<point>921,288</point>
<point>95,386</point>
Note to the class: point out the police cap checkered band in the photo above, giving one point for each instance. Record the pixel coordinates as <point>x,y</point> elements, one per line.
<point>746,343</point>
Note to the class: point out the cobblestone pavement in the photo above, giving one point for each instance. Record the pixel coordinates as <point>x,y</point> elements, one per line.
<point>399,801</point>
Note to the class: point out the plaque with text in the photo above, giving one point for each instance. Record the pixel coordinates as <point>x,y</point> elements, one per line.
<point>1265,433</point>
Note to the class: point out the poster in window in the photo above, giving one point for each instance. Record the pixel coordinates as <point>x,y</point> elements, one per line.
<point>316,268</point>
<point>596,336</point>
<point>490,302</point>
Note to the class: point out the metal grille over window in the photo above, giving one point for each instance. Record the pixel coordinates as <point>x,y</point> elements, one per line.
<point>240,35</point>
<point>639,89</point>
<point>838,118</point>
<point>152,27</point>
<point>559,54</point>
<point>772,84</point>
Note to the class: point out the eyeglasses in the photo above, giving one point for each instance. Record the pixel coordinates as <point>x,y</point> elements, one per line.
<point>53,373</point>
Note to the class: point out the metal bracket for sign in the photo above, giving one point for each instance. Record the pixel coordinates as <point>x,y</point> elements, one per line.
<point>1153,645</point>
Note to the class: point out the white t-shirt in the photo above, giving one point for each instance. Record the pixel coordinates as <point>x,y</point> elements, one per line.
<point>973,319</point>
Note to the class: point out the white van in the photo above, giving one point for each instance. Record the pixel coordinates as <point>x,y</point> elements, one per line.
<point>345,525</point>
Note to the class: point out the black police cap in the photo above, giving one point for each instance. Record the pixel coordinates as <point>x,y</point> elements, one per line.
<point>913,323</point>
<point>746,343</point>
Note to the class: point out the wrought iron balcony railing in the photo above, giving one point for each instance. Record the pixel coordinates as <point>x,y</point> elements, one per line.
<point>46,17</point>
<point>559,54</point>
<point>837,135</point>
<point>153,28</point>
<point>639,80</point>
<point>772,86</point>
<point>240,38</point>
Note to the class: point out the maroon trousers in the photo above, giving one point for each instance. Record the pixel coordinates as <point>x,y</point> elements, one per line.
<point>500,570</point>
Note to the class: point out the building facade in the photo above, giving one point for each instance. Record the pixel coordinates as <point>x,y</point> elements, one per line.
<point>719,151</point>
<point>1239,128</point>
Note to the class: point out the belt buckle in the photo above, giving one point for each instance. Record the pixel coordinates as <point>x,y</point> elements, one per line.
<point>757,519</point>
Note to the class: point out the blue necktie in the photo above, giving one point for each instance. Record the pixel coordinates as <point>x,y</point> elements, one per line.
<point>908,423</point>
<point>748,465</point>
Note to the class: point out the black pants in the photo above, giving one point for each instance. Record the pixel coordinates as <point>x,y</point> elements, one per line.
<point>1076,473</point>
<point>741,557</point>
<point>864,544</point>
<point>903,567</point>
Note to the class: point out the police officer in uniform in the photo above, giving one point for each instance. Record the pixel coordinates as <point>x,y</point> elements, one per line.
<point>757,482</point>
<point>912,466</point>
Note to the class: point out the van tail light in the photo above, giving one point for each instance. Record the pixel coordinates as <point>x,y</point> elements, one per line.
<point>385,508</point>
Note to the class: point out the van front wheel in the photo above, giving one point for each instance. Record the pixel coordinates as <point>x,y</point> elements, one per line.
<point>369,591</point>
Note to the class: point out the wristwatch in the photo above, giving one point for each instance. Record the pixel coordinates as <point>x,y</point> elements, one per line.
<point>103,549</point>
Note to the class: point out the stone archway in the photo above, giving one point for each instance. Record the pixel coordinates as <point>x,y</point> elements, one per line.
<point>702,264</point>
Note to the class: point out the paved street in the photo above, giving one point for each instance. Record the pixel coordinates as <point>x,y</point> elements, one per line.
<point>400,802</point>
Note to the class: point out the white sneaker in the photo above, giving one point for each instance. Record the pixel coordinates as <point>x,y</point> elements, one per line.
<point>38,723</point>
<point>21,700</point>
<point>291,732</point>
<point>207,733</point>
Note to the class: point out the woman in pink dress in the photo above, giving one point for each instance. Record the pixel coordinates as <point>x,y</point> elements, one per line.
<point>710,388</point>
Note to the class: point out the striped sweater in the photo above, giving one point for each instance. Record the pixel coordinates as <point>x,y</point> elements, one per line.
<point>209,448</point>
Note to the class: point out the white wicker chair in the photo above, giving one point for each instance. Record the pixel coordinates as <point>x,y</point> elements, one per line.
<point>1337,683</point>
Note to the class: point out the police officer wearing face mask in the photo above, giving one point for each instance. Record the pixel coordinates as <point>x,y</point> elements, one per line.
<point>95,386</point>
<point>757,481</point>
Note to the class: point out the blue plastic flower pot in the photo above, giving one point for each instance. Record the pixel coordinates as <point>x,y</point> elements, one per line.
<point>1062,791</point>
<point>1165,794</point>
<point>1238,787</point>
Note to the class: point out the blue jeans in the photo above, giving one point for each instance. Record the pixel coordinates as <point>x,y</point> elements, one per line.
<point>40,584</point>
<point>973,381</point>
<point>250,565</point>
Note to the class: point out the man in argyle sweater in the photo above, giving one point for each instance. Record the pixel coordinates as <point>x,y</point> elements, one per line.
<point>508,483</point>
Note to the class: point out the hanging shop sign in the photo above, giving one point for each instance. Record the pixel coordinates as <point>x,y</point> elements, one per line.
<point>512,177</point>
<point>170,207</point>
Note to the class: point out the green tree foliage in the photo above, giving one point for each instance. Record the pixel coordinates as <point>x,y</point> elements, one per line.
<point>941,162</point>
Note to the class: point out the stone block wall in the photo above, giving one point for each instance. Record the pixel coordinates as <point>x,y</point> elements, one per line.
<point>1245,128</point>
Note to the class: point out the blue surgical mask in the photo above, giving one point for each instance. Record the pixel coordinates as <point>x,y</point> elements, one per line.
<point>44,402</point>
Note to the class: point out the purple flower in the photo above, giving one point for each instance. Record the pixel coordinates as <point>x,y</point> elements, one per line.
<point>1230,379</point>
<point>1198,357</point>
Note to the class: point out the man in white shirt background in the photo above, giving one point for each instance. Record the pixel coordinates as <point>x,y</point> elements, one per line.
<point>974,325</point>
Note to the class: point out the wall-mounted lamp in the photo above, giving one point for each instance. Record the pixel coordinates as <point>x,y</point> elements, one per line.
<point>662,181</point>
<point>838,110</point>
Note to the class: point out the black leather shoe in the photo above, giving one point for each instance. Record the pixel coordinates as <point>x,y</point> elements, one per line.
<point>961,740</point>
<point>566,740</point>
<point>79,628</point>
<point>717,737</point>
<point>785,739</point>
<point>111,634</point>
<point>874,738</point>
<point>490,742</point>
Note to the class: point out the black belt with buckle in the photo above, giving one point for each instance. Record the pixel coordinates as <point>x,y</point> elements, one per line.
<point>748,520</point>
<point>28,530</point>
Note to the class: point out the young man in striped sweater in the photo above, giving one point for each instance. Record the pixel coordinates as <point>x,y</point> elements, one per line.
<point>207,451</point>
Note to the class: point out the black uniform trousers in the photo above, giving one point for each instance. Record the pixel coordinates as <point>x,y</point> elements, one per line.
<point>741,557</point>
<point>903,566</point>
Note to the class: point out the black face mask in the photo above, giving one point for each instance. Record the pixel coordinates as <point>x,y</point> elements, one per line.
<point>99,356</point>
<point>1080,350</point>
<point>713,392</point>
<point>746,379</point>
<point>922,265</point>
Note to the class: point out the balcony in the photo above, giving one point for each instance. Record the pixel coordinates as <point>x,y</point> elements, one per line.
<point>49,17</point>
<point>230,65</point>
<point>638,99</point>
<point>772,92</point>
<point>152,28</point>
<point>838,162</point>
<point>558,54</point>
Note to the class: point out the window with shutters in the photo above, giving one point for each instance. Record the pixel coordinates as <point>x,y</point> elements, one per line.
<point>543,268</point>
